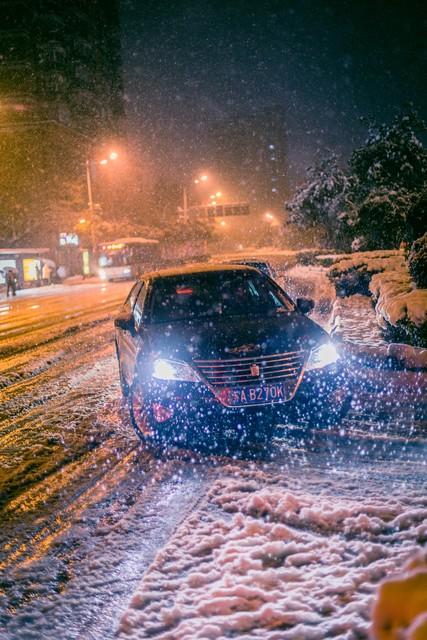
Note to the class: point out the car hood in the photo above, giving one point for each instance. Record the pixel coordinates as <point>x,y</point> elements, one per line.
<point>233,337</point>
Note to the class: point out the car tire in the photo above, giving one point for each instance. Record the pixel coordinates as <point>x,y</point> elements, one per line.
<point>141,418</point>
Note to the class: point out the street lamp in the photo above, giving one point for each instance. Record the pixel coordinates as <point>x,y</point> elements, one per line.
<point>202,178</point>
<point>91,205</point>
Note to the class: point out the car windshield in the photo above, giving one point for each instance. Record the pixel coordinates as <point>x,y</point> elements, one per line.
<point>224,293</point>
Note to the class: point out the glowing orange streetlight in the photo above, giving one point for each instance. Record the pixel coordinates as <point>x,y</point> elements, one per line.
<point>112,156</point>
<point>202,178</point>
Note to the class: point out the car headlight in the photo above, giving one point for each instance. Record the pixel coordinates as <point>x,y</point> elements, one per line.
<point>322,356</point>
<point>102,274</point>
<point>173,370</point>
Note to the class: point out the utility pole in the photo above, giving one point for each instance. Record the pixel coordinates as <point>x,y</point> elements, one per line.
<point>91,206</point>
<point>184,205</point>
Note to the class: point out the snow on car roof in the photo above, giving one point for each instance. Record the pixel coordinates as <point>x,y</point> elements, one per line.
<point>195,268</point>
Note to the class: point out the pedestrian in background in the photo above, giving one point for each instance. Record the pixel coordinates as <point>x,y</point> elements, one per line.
<point>39,275</point>
<point>47,273</point>
<point>10,283</point>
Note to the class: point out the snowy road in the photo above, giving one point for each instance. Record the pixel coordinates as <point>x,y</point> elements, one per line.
<point>84,508</point>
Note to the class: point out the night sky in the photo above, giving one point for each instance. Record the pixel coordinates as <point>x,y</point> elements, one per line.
<point>322,65</point>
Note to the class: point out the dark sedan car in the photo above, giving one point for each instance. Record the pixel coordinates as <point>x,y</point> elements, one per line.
<point>216,352</point>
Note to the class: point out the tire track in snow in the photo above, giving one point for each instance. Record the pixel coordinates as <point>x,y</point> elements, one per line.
<point>95,563</point>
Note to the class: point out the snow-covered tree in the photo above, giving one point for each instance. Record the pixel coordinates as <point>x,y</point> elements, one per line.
<point>319,204</point>
<point>388,176</point>
<point>380,221</point>
<point>392,158</point>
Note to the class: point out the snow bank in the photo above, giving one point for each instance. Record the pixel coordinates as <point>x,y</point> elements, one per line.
<point>265,558</point>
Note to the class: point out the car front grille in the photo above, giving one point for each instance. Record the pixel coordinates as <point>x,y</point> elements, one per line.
<point>286,367</point>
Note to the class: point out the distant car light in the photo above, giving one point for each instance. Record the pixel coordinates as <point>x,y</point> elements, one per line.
<point>102,274</point>
<point>172,370</point>
<point>322,356</point>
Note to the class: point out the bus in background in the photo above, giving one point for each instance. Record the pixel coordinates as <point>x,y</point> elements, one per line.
<point>127,258</point>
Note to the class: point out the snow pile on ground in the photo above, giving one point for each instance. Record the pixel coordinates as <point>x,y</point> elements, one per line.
<point>354,320</point>
<point>400,611</point>
<point>269,558</point>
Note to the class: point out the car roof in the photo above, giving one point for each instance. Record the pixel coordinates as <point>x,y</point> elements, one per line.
<point>196,268</point>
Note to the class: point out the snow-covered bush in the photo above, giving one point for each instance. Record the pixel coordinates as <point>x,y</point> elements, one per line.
<point>380,221</point>
<point>306,258</point>
<point>401,309</point>
<point>352,273</point>
<point>417,262</point>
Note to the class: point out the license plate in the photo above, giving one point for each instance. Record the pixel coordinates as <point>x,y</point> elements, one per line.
<point>256,394</point>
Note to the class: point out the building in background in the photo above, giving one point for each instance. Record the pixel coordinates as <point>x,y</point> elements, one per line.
<point>250,152</point>
<point>60,62</point>
<point>61,100</point>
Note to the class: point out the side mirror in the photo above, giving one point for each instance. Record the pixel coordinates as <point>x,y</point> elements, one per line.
<point>126,322</point>
<point>305,305</point>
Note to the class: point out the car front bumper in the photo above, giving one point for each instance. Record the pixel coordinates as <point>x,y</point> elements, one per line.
<point>182,407</point>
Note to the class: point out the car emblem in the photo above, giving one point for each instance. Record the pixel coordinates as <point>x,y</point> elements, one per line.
<point>254,370</point>
<point>244,348</point>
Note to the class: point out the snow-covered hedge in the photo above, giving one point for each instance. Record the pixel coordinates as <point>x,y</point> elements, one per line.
<point>351,273</point>
<point>401,308</point>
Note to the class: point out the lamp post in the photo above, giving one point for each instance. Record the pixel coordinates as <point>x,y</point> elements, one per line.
<point>113,155</point>
<point>184,217</point>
